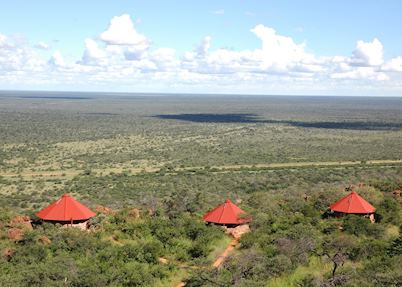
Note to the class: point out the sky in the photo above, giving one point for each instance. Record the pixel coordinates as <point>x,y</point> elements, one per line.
<point>308,47</point>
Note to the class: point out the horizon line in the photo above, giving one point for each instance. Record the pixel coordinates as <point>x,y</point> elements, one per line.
<point>195,94</point>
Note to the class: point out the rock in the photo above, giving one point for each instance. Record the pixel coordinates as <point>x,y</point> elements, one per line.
<point>163,260</point>
<point>21,221</point>
<point>135,213</point>
<point>15,234</point>
<point>81,225</point>
<point>8,253</point>
<point>398,195</point>
<point>104,209</point>
<point>238,231</point>
<point>44,240</point>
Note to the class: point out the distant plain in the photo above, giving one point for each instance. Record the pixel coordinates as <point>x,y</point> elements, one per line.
<point>49,137</point>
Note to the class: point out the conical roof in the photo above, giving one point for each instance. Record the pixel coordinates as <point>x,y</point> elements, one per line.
<point>65,208</point>
<point>226,213</point>
<point>352,203</point>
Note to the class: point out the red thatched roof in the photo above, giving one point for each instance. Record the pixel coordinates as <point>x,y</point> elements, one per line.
<point>352,203</point>
<point>66,208</point>
<point>226,213</point>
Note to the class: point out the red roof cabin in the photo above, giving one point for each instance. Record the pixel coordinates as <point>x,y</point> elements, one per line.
<point>226,214</point>
<point>353,203</point>
<point>66,210</point>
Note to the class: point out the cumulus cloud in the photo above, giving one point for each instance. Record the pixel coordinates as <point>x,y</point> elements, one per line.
<point>279,53</point>
<point>16,56</point>
<point>3,39</point>
<point>361,73</point>
<point>93,55</point>
<point>203,48</point>
<point>165,59</point>
<point>121,31</point>
<point>42,46</point>
<point>365,63</point>
<point>393,65</point>
<point>368,53</point>
<point>122,56</point>
<point>133,53</point>
<point>57,60</point>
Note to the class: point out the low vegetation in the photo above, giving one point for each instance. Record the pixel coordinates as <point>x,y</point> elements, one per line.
<point>173,159</point>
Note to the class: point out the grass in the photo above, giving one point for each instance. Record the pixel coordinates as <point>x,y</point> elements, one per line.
<point>118,152</point>
<point>391,232</point>
<point>224,168</point>
<point>219,246</point>
<point>174,280</point>
<point>316,267</point>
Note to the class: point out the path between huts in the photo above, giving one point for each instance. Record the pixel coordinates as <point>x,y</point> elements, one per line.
<point>236,233</point>
<point>219,261</point>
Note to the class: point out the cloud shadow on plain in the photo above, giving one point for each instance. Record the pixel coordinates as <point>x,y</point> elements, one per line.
<point>253,118</point>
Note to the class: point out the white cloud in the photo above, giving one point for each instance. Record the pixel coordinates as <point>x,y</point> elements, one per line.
<point>121,31</point>
<point>92,55</point>
<point>42,46</point>
<point>203,48</point>
<point>3,39</point>
<point>279,53</point>
<point>366,63</point>
<point>57,59</point>
<point>16,56</point>
<point>393,65</point>
<point>165,59</point>
<point>361,73</point>
<point>6,42</point>
<point>135,52</point>
<point>121,57</point>
<point>368,53</point>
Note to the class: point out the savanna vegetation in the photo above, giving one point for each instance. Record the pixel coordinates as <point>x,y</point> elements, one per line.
<point>175,157</point>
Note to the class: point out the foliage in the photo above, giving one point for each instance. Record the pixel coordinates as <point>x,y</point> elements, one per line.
<point>174,158</point>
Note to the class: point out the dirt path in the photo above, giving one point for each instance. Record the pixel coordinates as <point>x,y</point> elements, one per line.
<point>219,261</point>
<point>222,168</point>
<point>221,258</point>
<point>236,233</point>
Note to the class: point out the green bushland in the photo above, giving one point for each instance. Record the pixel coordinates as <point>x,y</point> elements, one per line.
<point>92,145</point>
<point>119,250</point>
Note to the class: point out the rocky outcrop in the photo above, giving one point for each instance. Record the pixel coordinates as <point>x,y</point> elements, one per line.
<point>15,234</point>
<point>238,231</point>
<point>134,213</point>
<point>104,210</point>
<point>397,195</point>
<point>44,240</point>
<point>7,253</point>
<point>19,221</point>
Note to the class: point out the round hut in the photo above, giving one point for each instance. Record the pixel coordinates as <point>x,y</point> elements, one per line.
<point>353,203</point>
<point>226,213</point>
<point>66,210</point>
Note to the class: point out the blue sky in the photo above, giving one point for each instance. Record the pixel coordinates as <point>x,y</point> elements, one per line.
<point>257,47</point>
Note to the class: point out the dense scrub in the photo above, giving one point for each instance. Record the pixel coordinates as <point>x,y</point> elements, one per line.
<point>119,250</point>
<point>161,156</point>
<point>294,243</point>
<point>136,132</point>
